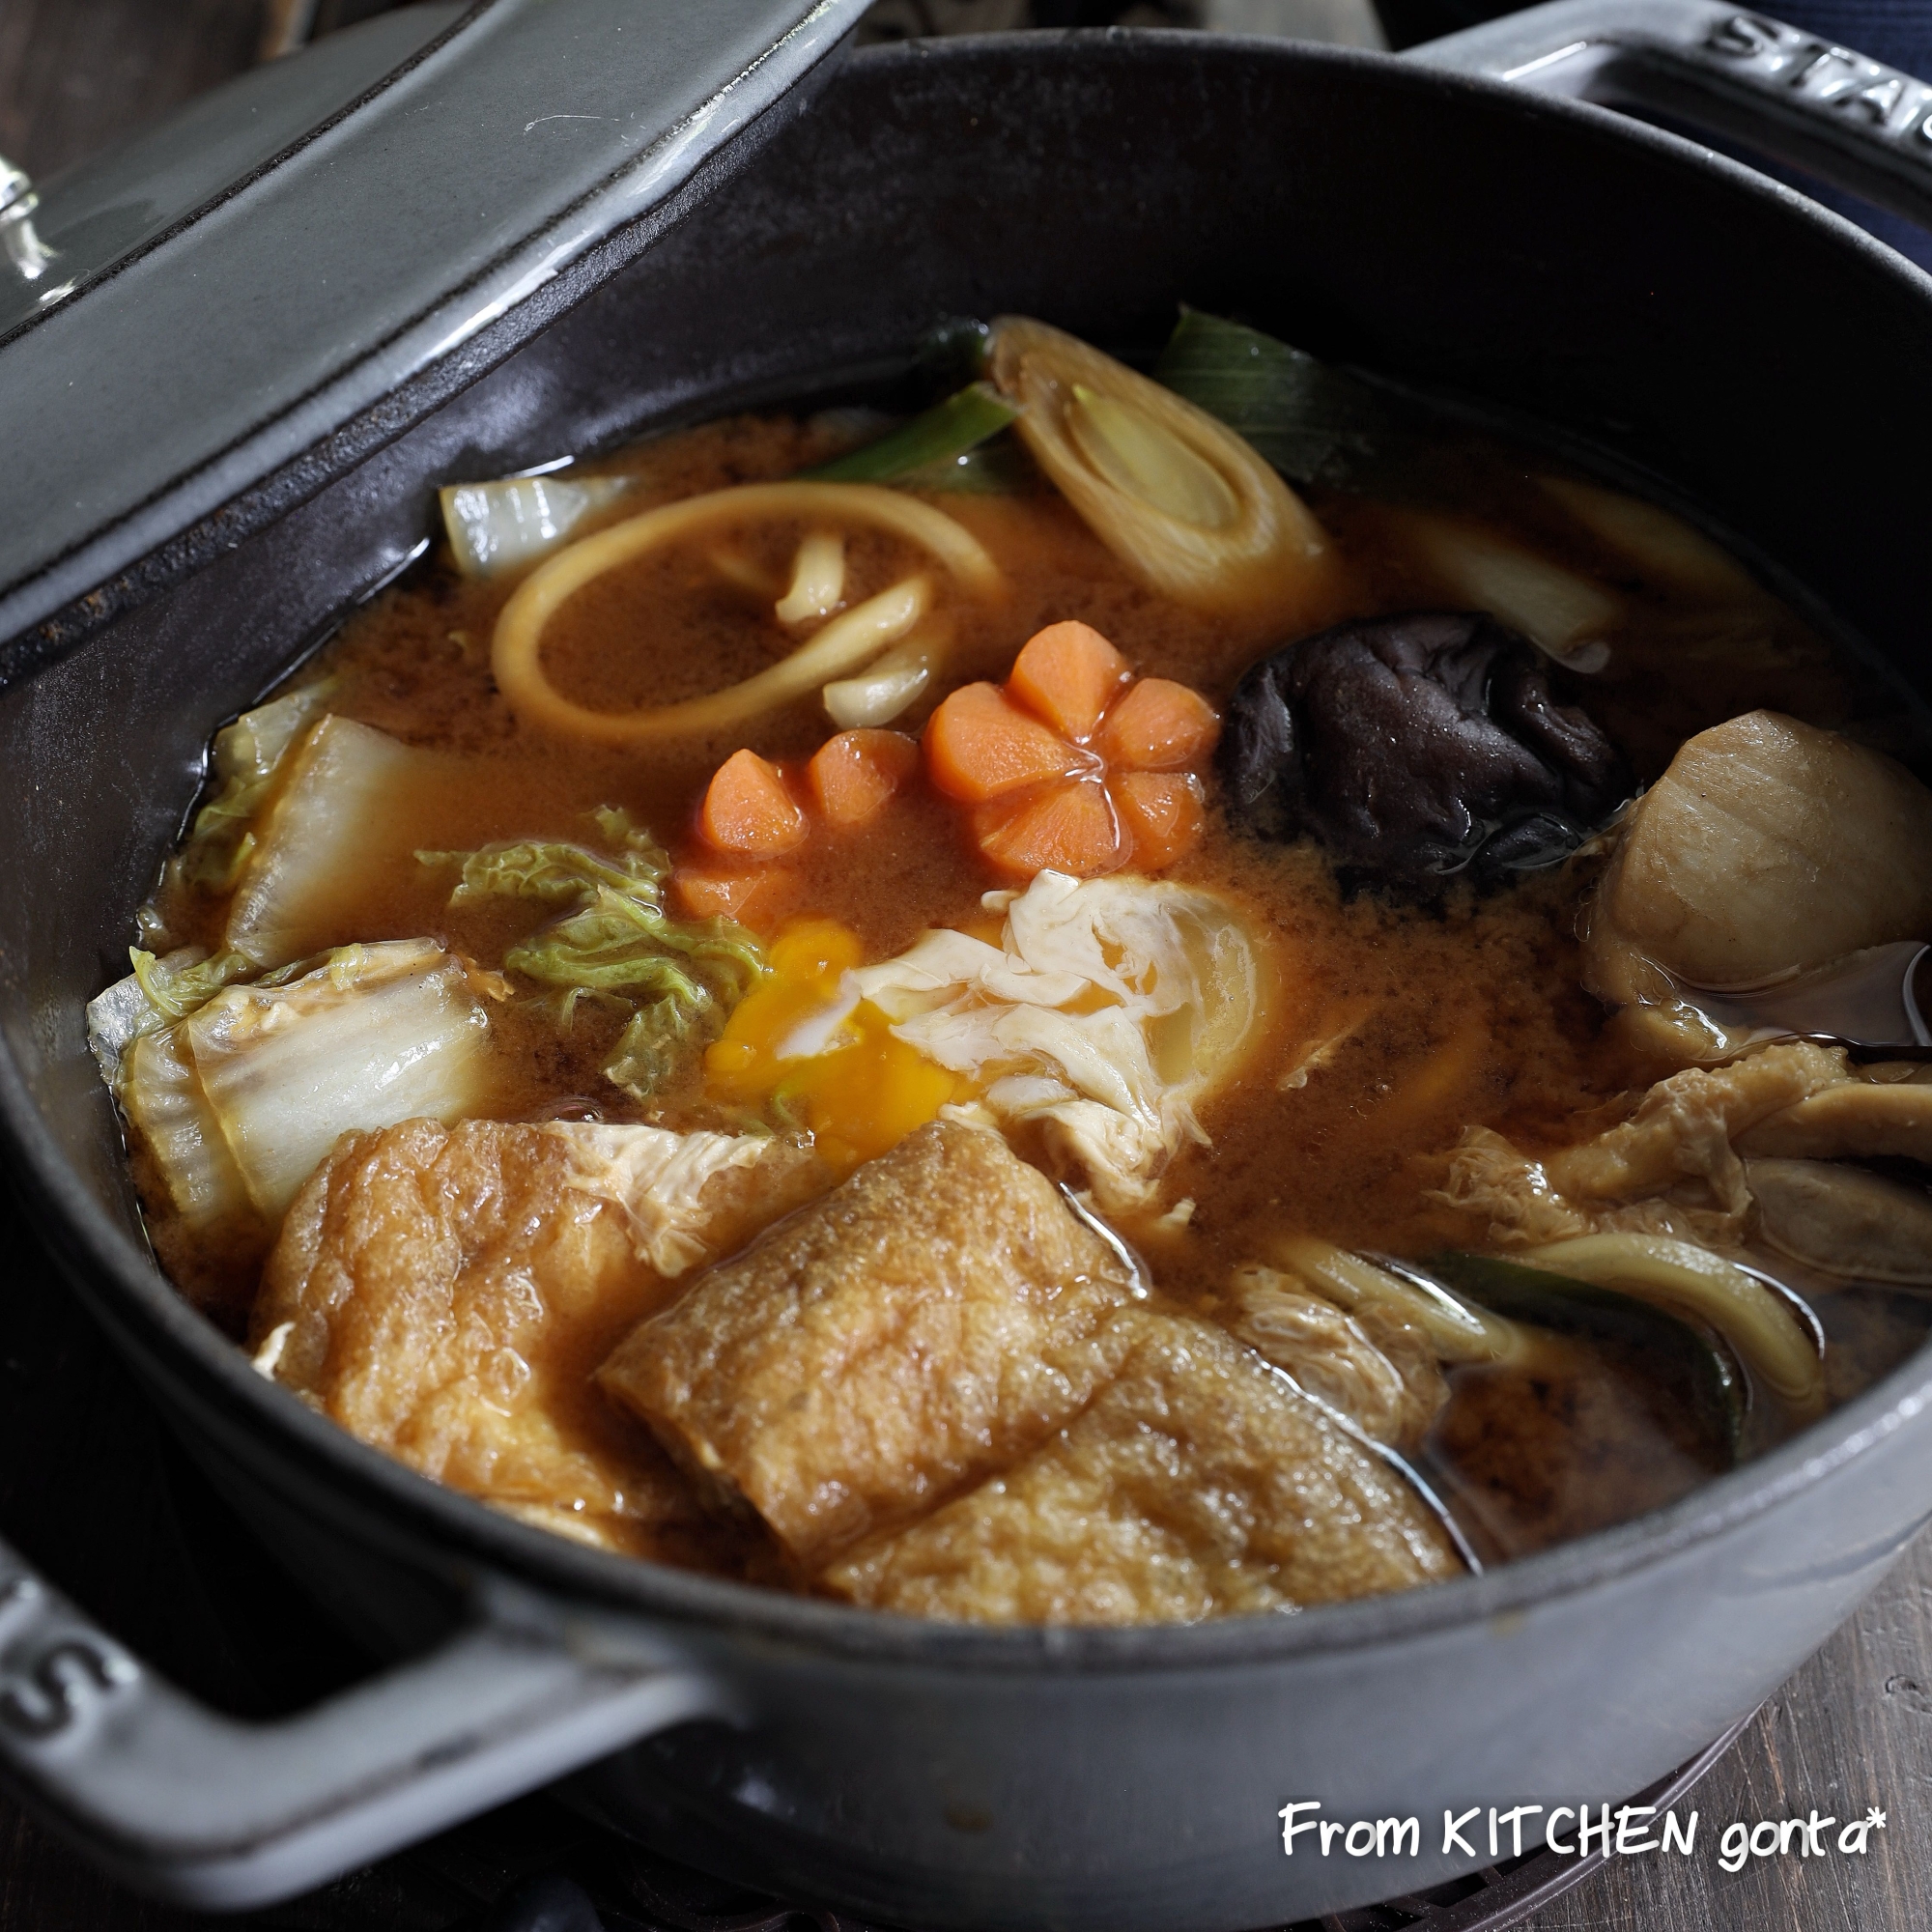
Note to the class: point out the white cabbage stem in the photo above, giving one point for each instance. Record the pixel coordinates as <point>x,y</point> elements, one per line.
<point>1187,506</point>
<point>817,579</point>
<point>498,527</point>
<point>848,641</point>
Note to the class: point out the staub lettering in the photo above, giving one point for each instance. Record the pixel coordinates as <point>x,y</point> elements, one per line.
<point>1743,36</point>
<point>1819,72</point>
<point>53,1691</point>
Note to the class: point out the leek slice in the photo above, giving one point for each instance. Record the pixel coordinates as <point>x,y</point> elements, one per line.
<point>1572,1306</point>
<point>1565,615</point>
<point>1657,543</point>
<point>1457,1332</point>
<point>1000,467</point>
<point>1189,507</point>
<point>890,683</point>
<point>1309,420</point>
<point>817,579</point>
<point>1137,455</point>
<point>497,527</point>
<point>929,443</point>
<point>313,846</point>
<point>376,1036</point>
<point>1768,1332</point>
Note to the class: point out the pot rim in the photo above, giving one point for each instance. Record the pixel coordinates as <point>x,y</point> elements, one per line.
<point>443,1528</point>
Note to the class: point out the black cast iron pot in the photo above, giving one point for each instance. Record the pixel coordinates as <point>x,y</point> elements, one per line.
<point>1708,334</point>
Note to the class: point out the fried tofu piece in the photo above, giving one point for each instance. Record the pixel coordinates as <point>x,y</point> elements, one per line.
<point>445,1293</point>
<point>1197,1484</point>
<point>1671,1168</point>
<point>925,1323</point>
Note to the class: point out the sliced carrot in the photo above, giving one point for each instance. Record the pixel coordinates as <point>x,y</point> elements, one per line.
<point>855,775</point>
<point>979,747</point>
<point>1159,726</point>
<point>747,811</point>
<point>1163,813</point>
<point>751,898</point>
<point>1064,828</point>
<point>1068,675</point>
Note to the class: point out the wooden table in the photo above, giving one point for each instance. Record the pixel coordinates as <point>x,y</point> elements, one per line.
<point>90,1488</point>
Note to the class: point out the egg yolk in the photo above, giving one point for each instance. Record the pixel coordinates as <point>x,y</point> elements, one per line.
<point>804,1048</point>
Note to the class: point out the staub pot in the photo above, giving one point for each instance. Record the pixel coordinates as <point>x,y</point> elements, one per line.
<point>200,495</point>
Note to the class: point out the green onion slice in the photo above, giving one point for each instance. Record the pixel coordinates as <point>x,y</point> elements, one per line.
<point>929,444</point>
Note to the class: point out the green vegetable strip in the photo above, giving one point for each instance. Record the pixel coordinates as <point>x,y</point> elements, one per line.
<point>1000,467</point>
<point>1313,422</point>
<point>1569,1305</point>
<point>947,431</point>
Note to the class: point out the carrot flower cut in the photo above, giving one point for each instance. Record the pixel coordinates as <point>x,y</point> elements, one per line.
<point>1075,765</point>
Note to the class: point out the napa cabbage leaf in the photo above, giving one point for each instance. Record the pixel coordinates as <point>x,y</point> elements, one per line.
<point>249,758</point>
<point>502,525</point>
<point>615,942</point>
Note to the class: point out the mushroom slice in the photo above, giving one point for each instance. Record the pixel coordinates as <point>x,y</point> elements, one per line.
<point>1844,1220</point>
<point>1416,748</point>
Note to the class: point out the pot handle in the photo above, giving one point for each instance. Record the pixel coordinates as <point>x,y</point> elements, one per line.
<point>215,1814</point>
<point>1788,93</point>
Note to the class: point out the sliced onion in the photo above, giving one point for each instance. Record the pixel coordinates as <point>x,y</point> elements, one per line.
<point>886,687</point>
<point>817,579</point>
<point>845,643</point>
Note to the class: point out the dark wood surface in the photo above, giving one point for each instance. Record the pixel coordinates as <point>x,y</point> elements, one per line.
<point>91,1488</point>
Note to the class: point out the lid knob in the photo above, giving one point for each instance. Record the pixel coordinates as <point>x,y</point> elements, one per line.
<point>25,252</point>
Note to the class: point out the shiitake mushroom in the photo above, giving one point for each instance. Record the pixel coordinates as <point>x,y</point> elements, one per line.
<point>1415,749</point>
